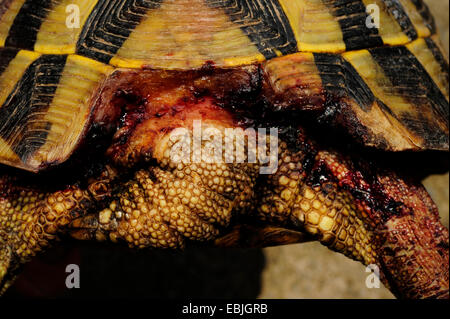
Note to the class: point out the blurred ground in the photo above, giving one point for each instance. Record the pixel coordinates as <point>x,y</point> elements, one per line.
<point>298,271</point>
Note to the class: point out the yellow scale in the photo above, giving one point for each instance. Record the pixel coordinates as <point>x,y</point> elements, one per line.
<point>55,37</point>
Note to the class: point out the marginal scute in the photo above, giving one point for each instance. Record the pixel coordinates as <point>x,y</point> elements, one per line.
<point>388,104</point>
<point>71,108</point>
<point>294,81</point>
<point>13,65</point>
<point>45,107</point>
<point>22,125</point>
<point>420,17</point>
<point>427,110</point>
<point>435,63</point>
<point>393,98</point>
<point>61,29</point>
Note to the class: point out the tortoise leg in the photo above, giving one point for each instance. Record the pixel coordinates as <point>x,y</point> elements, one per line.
<point>371,215</point>
<point>162,207</point>
<point>32,216</point>
<point>411,244</point>
<point>368,213</point>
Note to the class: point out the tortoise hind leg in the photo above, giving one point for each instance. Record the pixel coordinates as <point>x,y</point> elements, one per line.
<point>366,212</point>
<point>32,216</point>
<point>162,207</point>
<point>369,214</point>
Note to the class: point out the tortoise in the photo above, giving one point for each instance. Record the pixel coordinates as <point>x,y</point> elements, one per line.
<point>92,93</point>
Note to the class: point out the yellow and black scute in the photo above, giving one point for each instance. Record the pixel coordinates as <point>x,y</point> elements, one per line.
<point>389,84</point>
<point>184,34</point>
<point>45,105</point>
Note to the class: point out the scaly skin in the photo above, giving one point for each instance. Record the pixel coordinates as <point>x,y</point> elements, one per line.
<point>143,198</point>
<point>166,205</point>
<point>33,215</point>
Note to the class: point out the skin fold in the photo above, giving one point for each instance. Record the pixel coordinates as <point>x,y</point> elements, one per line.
<point>131,191</point>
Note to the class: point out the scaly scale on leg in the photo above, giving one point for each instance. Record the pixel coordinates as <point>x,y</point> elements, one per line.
<point>162,206</point>
<point>315,192</point>
<point>30,219</point>
<point>292,196</point>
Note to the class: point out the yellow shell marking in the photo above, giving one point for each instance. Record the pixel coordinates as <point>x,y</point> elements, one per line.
<point>389,30</point>
<point>315,28</point>
<point>416,18</point>
<point>421,51</point>
<point>8,79</point>
<point>70,108</point>
<point>14,72</point>
<point>186,34</point>
<point>294,71</point>
<point>383,89</point>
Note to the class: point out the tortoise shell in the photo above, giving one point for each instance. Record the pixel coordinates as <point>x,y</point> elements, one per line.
<point>386,84</point>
